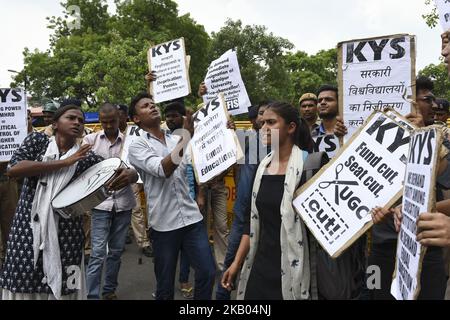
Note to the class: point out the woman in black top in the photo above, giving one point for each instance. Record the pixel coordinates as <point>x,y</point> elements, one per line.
<point>276,267</point>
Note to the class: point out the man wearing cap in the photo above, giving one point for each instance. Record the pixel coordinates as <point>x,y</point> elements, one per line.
<point>441,111</point>
<point>48,111</point>
<point>308,110</point>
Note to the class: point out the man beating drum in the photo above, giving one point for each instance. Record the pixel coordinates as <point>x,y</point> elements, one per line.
<point>111,219</point>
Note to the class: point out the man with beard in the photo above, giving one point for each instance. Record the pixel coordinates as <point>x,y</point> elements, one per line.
<point>385,235</point>
<point>328,109</point>
<point>324,136</point>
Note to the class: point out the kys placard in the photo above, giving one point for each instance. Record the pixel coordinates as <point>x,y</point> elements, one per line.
<point>418,197</point>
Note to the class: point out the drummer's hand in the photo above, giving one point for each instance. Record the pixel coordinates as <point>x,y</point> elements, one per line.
<point>79,155</point>
<point>124,178</point>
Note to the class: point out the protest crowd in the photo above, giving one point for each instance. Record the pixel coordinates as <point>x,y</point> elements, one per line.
<point>170,178</point>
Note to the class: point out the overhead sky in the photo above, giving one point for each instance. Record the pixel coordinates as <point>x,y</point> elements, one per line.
<point>311,25</point>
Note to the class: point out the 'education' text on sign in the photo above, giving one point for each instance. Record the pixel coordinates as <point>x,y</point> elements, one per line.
<point>214,147</point>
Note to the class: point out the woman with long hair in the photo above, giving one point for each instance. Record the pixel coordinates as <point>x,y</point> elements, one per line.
<point>276,266</point>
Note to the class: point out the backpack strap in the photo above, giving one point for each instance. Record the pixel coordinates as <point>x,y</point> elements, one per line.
<point>312,163</point>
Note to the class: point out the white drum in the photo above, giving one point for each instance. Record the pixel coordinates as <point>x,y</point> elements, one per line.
<point>88,190</point>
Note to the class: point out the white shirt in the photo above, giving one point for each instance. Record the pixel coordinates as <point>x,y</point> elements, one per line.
<point>121,200</point>
<point>168,202</point>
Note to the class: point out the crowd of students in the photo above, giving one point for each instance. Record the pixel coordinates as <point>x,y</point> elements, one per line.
<point>268,250</point>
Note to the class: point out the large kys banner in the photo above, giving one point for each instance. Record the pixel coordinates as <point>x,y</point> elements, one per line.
<point>13,121</point>
<point>214,147</point>
<point>367,172</point>
<point>418,197</point>
<point>374,74</point>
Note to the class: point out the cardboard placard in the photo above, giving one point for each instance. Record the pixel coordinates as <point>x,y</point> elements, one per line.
<point>224,76</point>
<point>13,121</point>
<point>367,172</point>
<point>213,147</point>
<point>418,197</point>
<point>170,64</point>
<point>375,73</point>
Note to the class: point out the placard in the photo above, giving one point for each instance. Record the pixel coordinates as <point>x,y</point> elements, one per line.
<point>367,172</point>
<point>224,76</point>
<point>328,143</point>
<point>13,121</point>
<point>418,197</point>
<point>443,8</point>
<point>374,74</point>
<point>170,64</point>
<point>133,132</point>
<point>214,147</point>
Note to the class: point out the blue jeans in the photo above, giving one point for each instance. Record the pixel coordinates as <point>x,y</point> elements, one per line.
<point>107,229</point>
<point>166,248</point>
<point>184,267</point>
<point>234,239</point>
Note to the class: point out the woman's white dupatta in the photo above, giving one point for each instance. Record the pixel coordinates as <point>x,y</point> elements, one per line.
<point>44,222</point>
<point>295,270</point>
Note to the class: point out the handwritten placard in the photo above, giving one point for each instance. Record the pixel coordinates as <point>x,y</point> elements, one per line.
<point>170,64</point>
<point>224,76</point>
<point>418,197</point>
<point>214,147</point>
